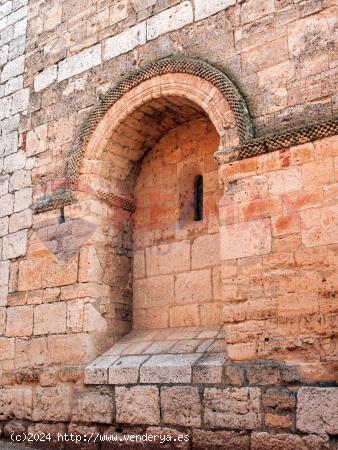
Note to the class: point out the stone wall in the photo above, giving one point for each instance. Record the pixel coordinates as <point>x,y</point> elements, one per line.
<point>176,262</point>
<point>248,406</point>
<point>280,287</point>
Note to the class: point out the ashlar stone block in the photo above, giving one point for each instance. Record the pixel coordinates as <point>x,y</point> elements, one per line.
<point>138,405</point>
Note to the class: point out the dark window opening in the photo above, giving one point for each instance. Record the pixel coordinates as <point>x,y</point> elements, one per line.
<point>198,203</point>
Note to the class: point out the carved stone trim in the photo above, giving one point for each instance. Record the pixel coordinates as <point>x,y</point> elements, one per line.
<point>165,66</point>
<point>65,197</point>
<point>277,141</point>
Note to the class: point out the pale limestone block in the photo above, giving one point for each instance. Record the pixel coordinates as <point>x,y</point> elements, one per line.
<point>3,299</point>
<point>319,226</point>
<point>14,84</point>
<point>45,78</point>
<point>20,28</point>
<point>140,5</point>
<point>284,181</point>
<point>253,10</point>
<point>245,239</point>
<point>6,205</point>
<point>317,410</point>
<point>4,222</point>
<point>75,316</point>
<point>2,319</point>
<point>126,370</point>
<point>23,199</point>
<point>208,369</point>
<point>13,68</point>
<point>20,179</point>
<point>76,64</point>
<point>4,184</point>
<point>20,101</point>
<point>93,320</point>
<point>50,318</point>
<point>4,273</point>
<point>5,107</point>
<point>206,8</point>
<point>125,41</point>
<point>4,54</point>
<point>17,47</point>
<point>14,245</point>
<point>6,9</point>
<point>17,15</point>
<point>19,321</point>
<point>97,372</point>
<point>205,251</point>
<point>168,369</point>
<point>15,161</point>
<point>8,125</point>
<point>169,20</point>
<point>138,405</point>
<point>193,287</point>
<point>118,11</point>
<point>154,291</point>
<point>20,221</point>
<point>19,3</point>
<point>168,258</point>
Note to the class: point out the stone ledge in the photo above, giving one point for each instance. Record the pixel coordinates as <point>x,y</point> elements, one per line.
<point>162,356</point>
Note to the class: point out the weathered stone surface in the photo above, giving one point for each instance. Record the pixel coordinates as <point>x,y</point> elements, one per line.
<point>16,403</point>
<point>45,78</point>
<point>245,239</point>
<point>226,440</point>
<point>79,63</point>
<point>169,20</point>
<point>193,287</point>
<point>19,321</point>
<point>52,404</point>
<point>266,441</point>
<point>208,369</point>
<point>181,406</point>
<point>138,405</point>
<point>163,259</point>
<point>205,251</point>
<point>97,372</point>
<point>37,140</point>
<point>126,370</point>
<point>279,398</point>
<point>317,410</point>
<point>50,318</point>
<point>237,408</point>
<point>206,8</point>
<point>14,245</point>
<point>125,41</point>
<point>92,406</point>
<point>168,369</point>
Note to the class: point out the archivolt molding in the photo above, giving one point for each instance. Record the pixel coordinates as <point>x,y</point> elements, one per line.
<point>248,145</point>
<point>198,68</point>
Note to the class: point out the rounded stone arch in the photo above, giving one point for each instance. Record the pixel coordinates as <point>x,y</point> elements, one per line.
<point>196,81</point>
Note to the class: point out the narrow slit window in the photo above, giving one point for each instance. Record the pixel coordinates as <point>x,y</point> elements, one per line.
<point>198,204</point>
